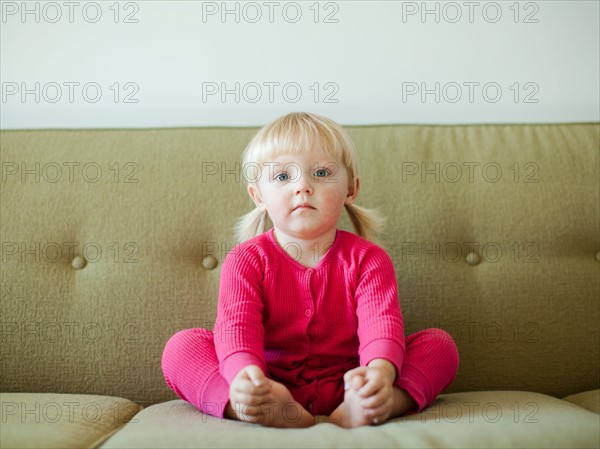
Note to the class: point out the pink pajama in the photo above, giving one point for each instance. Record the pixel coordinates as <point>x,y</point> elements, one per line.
<point>191,370</point>
<point>306,327</point>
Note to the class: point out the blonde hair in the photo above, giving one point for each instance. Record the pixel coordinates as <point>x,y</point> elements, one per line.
<point>295,133</point>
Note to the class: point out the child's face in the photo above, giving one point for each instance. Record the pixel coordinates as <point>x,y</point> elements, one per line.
<point>304,194</point>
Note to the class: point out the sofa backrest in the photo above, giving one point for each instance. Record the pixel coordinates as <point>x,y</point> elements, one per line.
<point>113,240</point>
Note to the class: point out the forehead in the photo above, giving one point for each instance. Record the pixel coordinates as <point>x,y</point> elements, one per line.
<point>299,144</point>
<point>304,158</point>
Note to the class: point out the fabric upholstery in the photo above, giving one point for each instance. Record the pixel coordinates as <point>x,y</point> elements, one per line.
<point>105,260</point>
<point>475,419</point>
<point>589,400</point>
<point>61,421</point>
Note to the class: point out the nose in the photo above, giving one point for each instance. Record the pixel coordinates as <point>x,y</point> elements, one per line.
<point>304,185</point>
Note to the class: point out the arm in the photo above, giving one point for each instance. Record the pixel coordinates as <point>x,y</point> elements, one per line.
<point>380,325</point>
<point>238,332</point>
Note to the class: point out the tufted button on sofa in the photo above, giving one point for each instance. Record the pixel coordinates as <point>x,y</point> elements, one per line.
<point>210,262</point>
<point>113,240</point>
<point>78,263</point>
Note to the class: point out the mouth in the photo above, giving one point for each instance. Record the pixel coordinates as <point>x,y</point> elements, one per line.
<point>303,207</point>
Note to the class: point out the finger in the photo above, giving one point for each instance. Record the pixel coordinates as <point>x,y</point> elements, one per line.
<point>256,375</point>
<point>370,387</point>
<point>358,371</point>
<point>375,381</point>
<point>355,378</point>
<point>379,415</point>
<point>253,399</point>
<point>255,382</point>
<point>376,401</point>
<point>248,409</point>
<point>245,385</point>
<point>357,382</point>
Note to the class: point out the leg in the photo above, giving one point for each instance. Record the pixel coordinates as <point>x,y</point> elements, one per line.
<point>430,365</point>
<point>191,370</point>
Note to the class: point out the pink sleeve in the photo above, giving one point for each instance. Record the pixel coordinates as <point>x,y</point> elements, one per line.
<point>380,325</point>
<point>238,331</point>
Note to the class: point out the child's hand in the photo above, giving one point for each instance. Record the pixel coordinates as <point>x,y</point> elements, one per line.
<point>250,388</point>
<point>374,385</point>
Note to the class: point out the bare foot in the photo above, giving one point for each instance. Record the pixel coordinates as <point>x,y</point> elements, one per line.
<point>282,411</point>
<point>351,413</point>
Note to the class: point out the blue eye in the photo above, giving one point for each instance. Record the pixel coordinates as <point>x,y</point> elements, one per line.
<point>282,177</point>
<point>321,173</point>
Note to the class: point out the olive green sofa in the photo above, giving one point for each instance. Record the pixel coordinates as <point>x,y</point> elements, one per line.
<point>113,240</point>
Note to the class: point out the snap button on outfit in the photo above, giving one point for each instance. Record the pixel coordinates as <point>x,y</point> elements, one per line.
<point>307,312</point>
<point>209,262</point>
<point>473,259</point>
<point>78,262</point>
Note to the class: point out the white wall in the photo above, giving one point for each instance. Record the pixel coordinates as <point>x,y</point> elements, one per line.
<point>360,63</point>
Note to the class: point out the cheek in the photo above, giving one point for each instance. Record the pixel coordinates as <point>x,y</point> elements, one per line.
<point>335,199</point>
<point>337,193</point>
<point>278,202</point>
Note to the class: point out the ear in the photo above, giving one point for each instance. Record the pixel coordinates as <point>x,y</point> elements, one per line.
<point>256,197</point>
<point>353,192</point>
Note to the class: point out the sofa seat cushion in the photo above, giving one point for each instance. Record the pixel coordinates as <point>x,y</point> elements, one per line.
<point>589,400</point>
<point>46,420</point>
<point>483,419</point>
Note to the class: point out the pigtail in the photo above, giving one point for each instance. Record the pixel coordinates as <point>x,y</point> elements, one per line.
<point>366,222</point>
<point>250,225</point>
